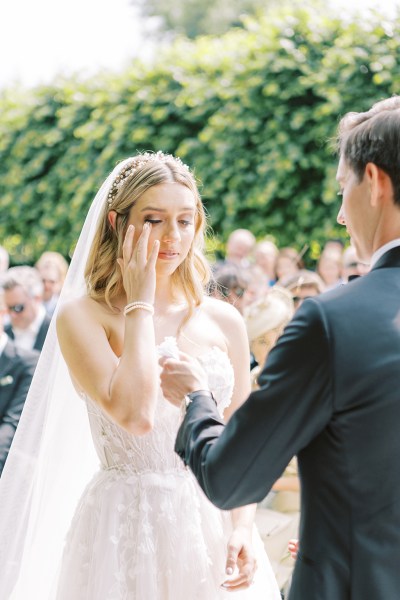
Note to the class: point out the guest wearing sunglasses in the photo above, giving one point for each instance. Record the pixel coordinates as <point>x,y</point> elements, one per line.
<point>16,372</point>
<point>230,284</point>
<point>352,267</point>
<point>305,284</point>
<point>23,295</point>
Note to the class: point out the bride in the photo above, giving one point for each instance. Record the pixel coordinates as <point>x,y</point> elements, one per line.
<point>142,528</point>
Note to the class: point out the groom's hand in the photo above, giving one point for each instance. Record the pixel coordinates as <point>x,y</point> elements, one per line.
<point>181,376</point>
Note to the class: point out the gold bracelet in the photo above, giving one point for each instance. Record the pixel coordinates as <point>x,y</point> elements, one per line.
<point>136,305</point>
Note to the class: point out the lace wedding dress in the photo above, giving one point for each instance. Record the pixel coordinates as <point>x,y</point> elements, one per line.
<point>143,529</point>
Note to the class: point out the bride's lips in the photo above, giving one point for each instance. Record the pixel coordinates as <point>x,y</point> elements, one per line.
<point>168,254</point>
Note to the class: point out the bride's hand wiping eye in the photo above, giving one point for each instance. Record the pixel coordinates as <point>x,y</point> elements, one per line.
<point>138,265</point>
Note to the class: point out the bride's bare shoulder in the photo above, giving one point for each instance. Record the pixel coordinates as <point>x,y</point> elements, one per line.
<point>77,306</point>
<point>81,312</point>
<point>226,319</point>
<point>221,311</point>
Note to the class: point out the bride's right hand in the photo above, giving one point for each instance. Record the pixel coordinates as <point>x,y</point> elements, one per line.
<point>138,268</point>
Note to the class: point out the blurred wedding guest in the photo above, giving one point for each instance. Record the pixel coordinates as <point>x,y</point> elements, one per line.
<point>239,248</point>
<point>265,255</point>
<point>229,284</point>
<point>305,284</point>
<point>4,260</point>
<point>329,268</point>
<point>278,514</point>
<point>333,245</point>
<point>52,268</point>
<point>265,320</point>
<point>352,267</point>
<point>256,287</point>
<point>287,263</point>
<point>16,371</point>
<point>23,295</point>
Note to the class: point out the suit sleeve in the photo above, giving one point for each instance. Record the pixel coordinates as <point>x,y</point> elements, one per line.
<point>237,464</point>
<point>23,374</point>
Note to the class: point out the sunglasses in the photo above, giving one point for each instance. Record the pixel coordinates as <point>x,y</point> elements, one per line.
<point>238,291</point>
<point>17,308</point>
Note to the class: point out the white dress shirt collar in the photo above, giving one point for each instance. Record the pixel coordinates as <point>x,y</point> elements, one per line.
<point>25,338</point>
<point>383,249</point>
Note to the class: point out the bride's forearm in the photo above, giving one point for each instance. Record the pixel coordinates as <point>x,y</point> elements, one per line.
<point>134,385</point>
<point>243,516</point>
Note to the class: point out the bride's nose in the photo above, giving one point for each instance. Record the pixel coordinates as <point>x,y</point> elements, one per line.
<point>171,233</point>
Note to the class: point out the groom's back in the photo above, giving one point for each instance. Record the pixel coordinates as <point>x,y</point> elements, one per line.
<point>350,472</point>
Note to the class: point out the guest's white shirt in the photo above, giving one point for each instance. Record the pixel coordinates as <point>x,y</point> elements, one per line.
<point>25,338</point>
<point>51,304</point>
<point>3,342</point>
<point>383,249</point>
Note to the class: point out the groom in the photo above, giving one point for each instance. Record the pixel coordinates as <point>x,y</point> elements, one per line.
<point>330,393</point>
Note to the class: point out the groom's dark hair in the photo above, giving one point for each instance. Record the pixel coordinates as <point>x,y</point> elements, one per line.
<point>373,136</point>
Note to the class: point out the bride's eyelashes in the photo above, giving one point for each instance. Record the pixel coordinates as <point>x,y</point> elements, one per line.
<point>152,221</point>
<point>183,222</point>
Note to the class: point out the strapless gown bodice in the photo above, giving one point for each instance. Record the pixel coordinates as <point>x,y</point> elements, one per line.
<point>154,452</point>
<point>143,529</point>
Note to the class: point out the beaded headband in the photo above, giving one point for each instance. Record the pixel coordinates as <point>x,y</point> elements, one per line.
<point>135,166</point>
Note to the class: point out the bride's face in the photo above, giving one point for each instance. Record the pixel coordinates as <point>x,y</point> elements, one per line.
<point>171,210</point>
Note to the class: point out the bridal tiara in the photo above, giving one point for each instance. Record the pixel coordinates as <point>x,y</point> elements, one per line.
<point>135,166</point>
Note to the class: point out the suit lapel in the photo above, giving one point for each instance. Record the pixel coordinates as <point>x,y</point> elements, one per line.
<point>9,331</point>
<point>6,359</point>
<point>41,334</point>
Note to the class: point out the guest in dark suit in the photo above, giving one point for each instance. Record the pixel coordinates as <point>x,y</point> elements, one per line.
<point>329,393</point>
<point>16,372</point>
<point>23,294</point>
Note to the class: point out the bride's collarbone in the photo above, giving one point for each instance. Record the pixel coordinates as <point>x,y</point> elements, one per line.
<point>196,337</point>
<point>192,340</point>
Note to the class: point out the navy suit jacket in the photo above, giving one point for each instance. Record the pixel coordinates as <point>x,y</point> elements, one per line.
<point>16,372</point>
<point>330,394</point>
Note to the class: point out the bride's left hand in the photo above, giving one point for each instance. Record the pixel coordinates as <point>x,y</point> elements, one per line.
<point>241,561</point>
<point>181,376</point>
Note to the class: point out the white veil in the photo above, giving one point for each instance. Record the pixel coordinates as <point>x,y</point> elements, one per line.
<point>51,457</point>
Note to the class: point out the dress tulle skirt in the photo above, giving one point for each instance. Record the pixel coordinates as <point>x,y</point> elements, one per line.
<point>151,536</point>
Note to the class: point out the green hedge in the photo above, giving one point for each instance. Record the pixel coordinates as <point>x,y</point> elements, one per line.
<point>252,112</point>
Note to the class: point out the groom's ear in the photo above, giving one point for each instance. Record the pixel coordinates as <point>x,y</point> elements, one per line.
<point>112,217</point>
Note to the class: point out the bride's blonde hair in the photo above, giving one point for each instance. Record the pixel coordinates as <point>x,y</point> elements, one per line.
<point>138,174</point>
